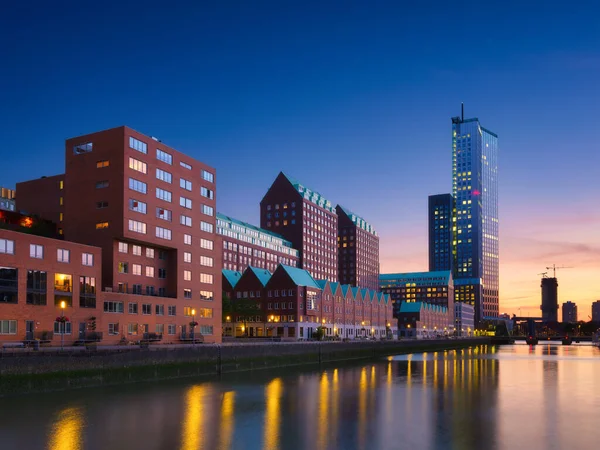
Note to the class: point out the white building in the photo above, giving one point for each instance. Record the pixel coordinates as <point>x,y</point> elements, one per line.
<point>464,319</point>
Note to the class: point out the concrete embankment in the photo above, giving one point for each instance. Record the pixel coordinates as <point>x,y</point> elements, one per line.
<point>31,371</point>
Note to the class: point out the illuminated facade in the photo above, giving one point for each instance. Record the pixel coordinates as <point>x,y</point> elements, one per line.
<point>424,321</point>
<point>442,232</point>
<point>7,199</point>
<point>247,245</point>
<point>464,319</point>
<point>475,190</point>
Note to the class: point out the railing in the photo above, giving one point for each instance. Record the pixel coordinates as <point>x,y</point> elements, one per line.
<point>142,293</point>
<point>90,336</point>
<point>191,337</point>
<point>152,337</point>
<point>43,336</point>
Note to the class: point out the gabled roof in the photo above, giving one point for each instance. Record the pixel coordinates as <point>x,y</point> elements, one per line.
<point>322,283</point>
<point>359,221</point>
<point>263,275</point>
<point>300,276</point>
<point>310,195</point>
<point>334,286</point>
<point>410,307</point>
<point>345,289</point>
<point>355,291</point>
<point>364,292</point>
<point>232,276</point>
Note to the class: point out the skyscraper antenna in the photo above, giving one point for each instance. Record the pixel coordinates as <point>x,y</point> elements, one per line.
<point>462,112</point>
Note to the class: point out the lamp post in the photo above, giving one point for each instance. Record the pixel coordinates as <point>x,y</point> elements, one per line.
<point>63,305</point>
<point>194,322</point>
<point>363,328</point>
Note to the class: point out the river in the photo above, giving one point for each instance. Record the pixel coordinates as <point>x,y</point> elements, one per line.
<point>513,397</point>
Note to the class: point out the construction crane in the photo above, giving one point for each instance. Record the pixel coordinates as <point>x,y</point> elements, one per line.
<point>543,274</point>
<point>555,268</point>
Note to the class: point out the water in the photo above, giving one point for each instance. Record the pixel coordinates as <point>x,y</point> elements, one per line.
<point>487,398</point>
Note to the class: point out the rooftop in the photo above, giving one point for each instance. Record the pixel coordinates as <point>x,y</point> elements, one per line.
<point>359,221</point>
<point>310,195</point>
<point>441,276</point>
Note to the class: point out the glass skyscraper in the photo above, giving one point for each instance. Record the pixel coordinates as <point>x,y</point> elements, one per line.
<point>475,191</point>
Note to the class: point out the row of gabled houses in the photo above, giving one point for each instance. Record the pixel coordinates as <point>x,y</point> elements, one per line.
<point>289,303</point>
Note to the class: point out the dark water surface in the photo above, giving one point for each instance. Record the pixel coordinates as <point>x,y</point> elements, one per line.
<point>514,397</point>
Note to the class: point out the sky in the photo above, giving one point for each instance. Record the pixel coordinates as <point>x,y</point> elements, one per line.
<point>352,98</point>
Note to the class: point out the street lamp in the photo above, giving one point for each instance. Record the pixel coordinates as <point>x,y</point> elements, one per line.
<point>63,305</point>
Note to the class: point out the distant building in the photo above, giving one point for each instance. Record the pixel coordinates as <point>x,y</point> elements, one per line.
<point>569,312</point>
<point>464,319</point>
<point>596,311</point>
<point>7,199</point>
<point>549,304</point>
<point>442,232</point>
<point>306,219</point>
<point>358,251</point>
<point>247,245</point>
<point>436,288</point>
<point>423,320</point>
<point>44,197</point>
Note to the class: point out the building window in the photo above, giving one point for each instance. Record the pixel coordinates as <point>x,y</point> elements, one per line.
<point>160,310</point>
<point>138,145</point>
<point>82,148</point>
<point>206,243</point>
<point>101,225</point>
<point>36,287</point>
<point>163,195</point>
<point>146,309</point>
<point>7,246</point>
<point>208,193</point>
<point>36,251</point>
<point>87,292</point>
<point>187,239</point>
<point>62,328</point>
<point>123,267</point>
<point>87,259</point>
<point>102,164</point>
<point>206,278</point>
<point>150,271</point>
<point>187,257</point>
<point>187,275</point>
<point>206,330</point>
<point>132,308</point>
<point>136,250</point>
<point>63,289</point>
<point>185,184</point>
<point>137,165</point>
<point>206,295</point>
<point>162,273</point>
<point>150,253</point>
<point>187,293</point>
<point>164,214</point>
<point>204,313</point>
<point>132,328</point>
<point>61,201</point>
<point>185,165</point>
<point>205,226</point>
<point>113,307</point>
<point>99,205</point>
<point>206,261</point>
<point>208,210</point>
<point>113,329</point>
<point>137,227</point>
<point>137,185</point>
<point>208,176</point>
<point>163,233</point>
<point>185,220</point>
<point>8,327</point>
<point>171,329</point>
<point>123,247</point>
<point>172,310</point>
<point>164,156</point>
<point>62,255</point>
<point>163,175</point>
<point>185,202</point>
<point>136,269</point>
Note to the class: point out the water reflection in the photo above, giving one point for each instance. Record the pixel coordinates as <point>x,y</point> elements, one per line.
<point>543,396</point>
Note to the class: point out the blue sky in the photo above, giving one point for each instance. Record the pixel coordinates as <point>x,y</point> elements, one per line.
<point>352,98</point>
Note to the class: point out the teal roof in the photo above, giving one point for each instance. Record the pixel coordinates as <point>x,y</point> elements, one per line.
<point>263,275</point>
<point>355,291</point>
<point>359,221</point>
<point>300,276</point>
<point>345,289</point>
<point>413,307</point>
<point>334,286</point>
<point>364,293</point>
<point>231,276</point>
<point>310,195</point>
<point>322,283</point>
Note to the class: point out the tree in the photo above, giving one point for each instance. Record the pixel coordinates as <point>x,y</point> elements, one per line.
<point>240,310</point>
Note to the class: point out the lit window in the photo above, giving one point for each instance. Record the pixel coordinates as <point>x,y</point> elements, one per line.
<point>187,239</point>
<point>102,164</point>
<point>62,255</point>
<point>206,278</point>
<point>137,227</point>
<point>206,243</point>
<point>7,246</point>
<point>187,275</point>
<point>36,251</point>
<point>187,257</point>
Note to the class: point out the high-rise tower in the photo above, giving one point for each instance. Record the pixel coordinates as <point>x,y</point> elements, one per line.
<point>475,190</point>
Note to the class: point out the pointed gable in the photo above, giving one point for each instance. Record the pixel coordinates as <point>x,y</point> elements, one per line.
<point>232,277</point>
<point>263,275</point>
<point>300,277</point>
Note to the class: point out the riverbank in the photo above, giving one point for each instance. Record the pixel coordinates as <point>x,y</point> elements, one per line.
<point>31,371</point>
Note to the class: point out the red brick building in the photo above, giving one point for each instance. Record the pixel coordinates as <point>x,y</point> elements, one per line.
<point>37,274</point>
<point>358,251</point>
<point>245,245</point>
<point>43,197</point>
<point>306,219</point>
<point>292,305</point>
<point>151,209</point>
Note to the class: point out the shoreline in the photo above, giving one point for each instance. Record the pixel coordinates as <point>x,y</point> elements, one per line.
<point>24,372</point>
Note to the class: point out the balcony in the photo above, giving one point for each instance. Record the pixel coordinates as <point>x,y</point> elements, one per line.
<point>137,292</point>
